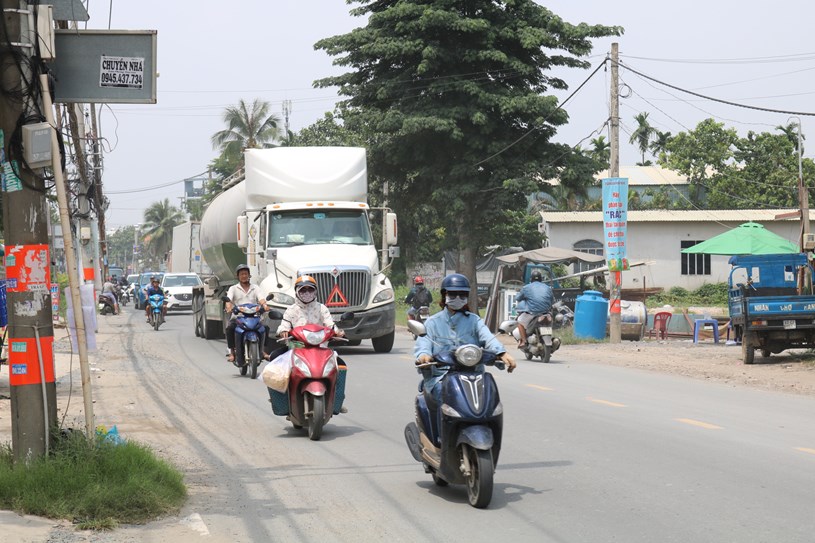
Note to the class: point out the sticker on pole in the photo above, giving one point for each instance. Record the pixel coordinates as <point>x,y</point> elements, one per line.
<point>121,72</point>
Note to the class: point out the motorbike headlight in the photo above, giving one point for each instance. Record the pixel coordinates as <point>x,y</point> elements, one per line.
<point>468,355</point>
<point>314,338</point>
<point>300,364</point>
<point>384,295</point>
<point>449,411</point>
<point>248,310</point>
<point>330,366</point>
<point>499,410</point>
<point>283,299</point>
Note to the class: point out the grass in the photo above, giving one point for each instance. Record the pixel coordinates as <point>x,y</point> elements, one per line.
<point>94,484</point>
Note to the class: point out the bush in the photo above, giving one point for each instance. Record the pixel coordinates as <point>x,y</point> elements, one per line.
<point>709,294</point>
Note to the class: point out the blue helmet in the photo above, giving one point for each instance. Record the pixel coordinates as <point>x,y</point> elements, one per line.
<point>455,282</point>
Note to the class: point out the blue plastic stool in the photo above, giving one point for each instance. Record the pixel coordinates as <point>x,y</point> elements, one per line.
<point>699,324</point>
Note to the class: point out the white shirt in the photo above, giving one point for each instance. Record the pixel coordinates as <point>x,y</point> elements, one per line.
<point>300,314</point>
<point>238,296</point>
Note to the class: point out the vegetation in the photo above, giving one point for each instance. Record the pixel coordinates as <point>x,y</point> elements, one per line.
<point>710,295</point>
<point>159,220</point>
<point>247,127</point>
<point>95,484</point>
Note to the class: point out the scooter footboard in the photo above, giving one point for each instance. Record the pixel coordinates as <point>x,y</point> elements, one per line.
<point>478,437</point>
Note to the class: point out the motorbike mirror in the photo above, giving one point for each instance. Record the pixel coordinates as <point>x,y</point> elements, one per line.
<point>347,316</point>
<point>417,328</point>
<point>270,296</point>
<point>274,314</point>
<point>225,299</point>
<point>507,327</point>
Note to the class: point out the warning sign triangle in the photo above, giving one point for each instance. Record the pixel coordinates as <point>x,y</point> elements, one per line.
<point>336,298</point>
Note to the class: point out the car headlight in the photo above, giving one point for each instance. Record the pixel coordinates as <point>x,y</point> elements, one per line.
<point>384,295</point>
<point>283,299</point>
<point>468,355</point>
<point>314,338</point>
<point>301,365</point>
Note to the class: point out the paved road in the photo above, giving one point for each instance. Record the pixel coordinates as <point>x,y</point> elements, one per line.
<point>591,453</point>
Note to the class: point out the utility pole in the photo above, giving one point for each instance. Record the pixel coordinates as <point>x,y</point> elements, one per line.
<point>99,198</point>
<point>286,113</point>
<point>614,325</point>
<point>803,193</point>
<point>25,209</point>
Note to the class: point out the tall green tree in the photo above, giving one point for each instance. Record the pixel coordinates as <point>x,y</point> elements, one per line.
<point>601,151</point>
<point>642,135</point>
<point>659,144</point>
<point>248,126</point>
<point>457,95</point>
<point>159,220</point>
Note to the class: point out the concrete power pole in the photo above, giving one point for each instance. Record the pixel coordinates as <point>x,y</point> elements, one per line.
<point>98,196</point>
<point>25,212</point>
<point>614,326</point>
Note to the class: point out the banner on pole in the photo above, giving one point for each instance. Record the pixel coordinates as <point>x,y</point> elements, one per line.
<point>615,219</point>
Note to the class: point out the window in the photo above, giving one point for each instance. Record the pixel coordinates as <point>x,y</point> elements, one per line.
<point>588,246</point>
<point>694,264</point>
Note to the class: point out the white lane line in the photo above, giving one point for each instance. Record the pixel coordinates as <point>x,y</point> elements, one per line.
<point>699,423</point>
<point>606,402</point>
<point>195,522</point>
<point>540,387</point>
<point>806,450</point>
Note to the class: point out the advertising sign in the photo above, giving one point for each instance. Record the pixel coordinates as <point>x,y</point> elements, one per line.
<point>615,217</point>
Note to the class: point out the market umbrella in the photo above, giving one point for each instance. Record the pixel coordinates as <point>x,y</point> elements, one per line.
<point>749,238</point>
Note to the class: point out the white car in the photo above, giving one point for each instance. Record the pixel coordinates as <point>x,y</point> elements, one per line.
<point>178,287</point>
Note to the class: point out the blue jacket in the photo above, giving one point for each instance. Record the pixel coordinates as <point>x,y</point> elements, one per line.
<point>538,298</point>
<point>445,332</point>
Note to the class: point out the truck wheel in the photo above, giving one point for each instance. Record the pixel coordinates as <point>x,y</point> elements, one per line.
<point>748,352</point>
<point>196,319</point>
<point>383,344</point>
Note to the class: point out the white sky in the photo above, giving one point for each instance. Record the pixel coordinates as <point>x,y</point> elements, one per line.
<point>213,53</point>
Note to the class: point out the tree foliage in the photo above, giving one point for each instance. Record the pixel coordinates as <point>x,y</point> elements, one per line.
<point>452,96</point>
<point>159,220</point>
<point>247,127</point>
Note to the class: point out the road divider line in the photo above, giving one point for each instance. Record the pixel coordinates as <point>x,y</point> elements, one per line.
<point>700,424</point>
<point>806,450</point>
<point>540,387</point>
<point>606,402</point>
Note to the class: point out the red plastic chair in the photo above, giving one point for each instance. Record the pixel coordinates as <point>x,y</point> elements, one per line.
<point>661,321</point>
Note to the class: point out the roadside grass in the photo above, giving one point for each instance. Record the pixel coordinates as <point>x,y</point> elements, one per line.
<point>95,484</point>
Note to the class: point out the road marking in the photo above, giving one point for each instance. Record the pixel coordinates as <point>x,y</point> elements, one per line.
<point>700,424</point>
<point>804,449</point>
<point>606,402</point>
<point>540,387</point>
<point>196,523</point>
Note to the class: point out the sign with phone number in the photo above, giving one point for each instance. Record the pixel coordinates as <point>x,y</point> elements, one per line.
<point>121,72</point>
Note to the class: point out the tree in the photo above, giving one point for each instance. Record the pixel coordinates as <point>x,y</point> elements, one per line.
<point>659,145</point>
<point>454,93</point>
<point>248,127</point>
<point>159,220</point>
<point>601,151</point>
<point>642,135</point>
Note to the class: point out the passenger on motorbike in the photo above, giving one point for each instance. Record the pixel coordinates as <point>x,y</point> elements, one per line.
<point>306,309</point>
<point>149,290</point>
<point>538,298</point>
<point>242,293</point>
<point>452,327</point>
<point>109,291</point>
<point>418,296</point>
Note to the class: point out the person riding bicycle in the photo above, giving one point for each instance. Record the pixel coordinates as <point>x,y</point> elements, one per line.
<point>243,292</point>
<point>537,297</point>
<point>418,296</point>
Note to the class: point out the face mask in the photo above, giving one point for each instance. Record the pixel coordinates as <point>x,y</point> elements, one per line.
<point>455,303</point>
<point>307,296</point>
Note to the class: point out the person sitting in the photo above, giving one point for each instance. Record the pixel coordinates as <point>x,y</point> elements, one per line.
<point>243,292</point>
<point>149,290</point>
<point>537,297</point>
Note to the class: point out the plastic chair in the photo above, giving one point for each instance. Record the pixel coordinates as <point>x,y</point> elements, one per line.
<point>661,321</point>
<point>699,324</point>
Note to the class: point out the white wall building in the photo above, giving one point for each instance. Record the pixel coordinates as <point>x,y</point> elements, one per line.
<point>658,237</point>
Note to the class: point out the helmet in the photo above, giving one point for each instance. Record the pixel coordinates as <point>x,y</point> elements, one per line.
<point>536,276</point>
<point>418,280</point>
<point>240,268</point>
<point>305,281</point>
<point>455,282</point>
<point>153,278</point>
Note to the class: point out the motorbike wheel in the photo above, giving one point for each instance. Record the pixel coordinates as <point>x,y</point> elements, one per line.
<point>317,420</point>
<point>439,481</point>
<point>547,354</point>
<point>528,354</point>
<point>479,482</point>
<point>254,358</point>
<point>156,322</point>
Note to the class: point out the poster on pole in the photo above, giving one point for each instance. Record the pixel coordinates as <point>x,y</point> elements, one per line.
<point>615,218</point>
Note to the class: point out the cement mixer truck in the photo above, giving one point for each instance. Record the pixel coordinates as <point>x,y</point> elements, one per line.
<point>298,211</point>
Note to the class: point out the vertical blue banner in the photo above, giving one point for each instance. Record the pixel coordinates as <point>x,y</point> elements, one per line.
<point>615,219</point>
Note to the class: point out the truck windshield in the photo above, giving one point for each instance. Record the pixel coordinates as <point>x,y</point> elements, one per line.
<point>310,227</point>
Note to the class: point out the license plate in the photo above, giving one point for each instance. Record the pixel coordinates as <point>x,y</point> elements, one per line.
<point>545,330</point>
<point>789,325</point>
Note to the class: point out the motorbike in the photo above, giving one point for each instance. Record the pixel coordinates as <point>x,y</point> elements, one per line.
<point>155,313</point>
<point>422,314</point>
<point>106,304</point>
<point>539,339</point>
<point>563,315</point>
<point>458,438</point>
<point>250,336</point>
<point>316,388</point>
<point>123,294</point>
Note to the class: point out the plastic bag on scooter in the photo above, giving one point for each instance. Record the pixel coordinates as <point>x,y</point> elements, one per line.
<point>276,373</point>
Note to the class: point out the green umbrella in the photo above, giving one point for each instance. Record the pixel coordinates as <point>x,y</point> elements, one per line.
<point>749,238</point>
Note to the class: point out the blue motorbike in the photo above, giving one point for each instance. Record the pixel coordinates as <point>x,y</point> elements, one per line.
<point>155,313</point>
<point>458,438</point>
<point>250,336</point>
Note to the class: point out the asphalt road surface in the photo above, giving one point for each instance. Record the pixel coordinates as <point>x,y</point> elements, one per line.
<point>590,452</point>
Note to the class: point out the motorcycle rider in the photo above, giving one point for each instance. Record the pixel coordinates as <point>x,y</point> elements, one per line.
<point>243,292</point>
<point>452,327</point>
<point>418,296</point>
<point>149,290</point>
<point>109,292</point>
<point>538,298</point>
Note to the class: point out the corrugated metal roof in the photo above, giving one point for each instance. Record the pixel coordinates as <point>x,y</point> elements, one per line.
<point>669,215</point>
<point>641,175</point>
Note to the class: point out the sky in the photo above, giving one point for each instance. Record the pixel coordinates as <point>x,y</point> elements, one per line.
<point>212,54</point>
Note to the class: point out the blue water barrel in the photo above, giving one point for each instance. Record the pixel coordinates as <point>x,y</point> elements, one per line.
<point>590,310</point>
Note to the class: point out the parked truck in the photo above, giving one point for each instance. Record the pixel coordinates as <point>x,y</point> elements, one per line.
<point>186,255</point>
<point>300,211</point>
<point>767,310</point>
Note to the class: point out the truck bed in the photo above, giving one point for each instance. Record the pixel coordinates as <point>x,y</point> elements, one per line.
<point>779,312</point>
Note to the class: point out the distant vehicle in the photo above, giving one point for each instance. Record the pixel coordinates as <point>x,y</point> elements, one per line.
<point>144,280</point>
<point>116,271</point>
<point>178,287</point>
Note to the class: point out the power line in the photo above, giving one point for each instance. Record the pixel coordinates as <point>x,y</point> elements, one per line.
<point>795,57</point>
<point>155,187</point>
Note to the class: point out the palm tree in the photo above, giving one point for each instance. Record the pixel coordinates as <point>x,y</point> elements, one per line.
<point>791,133</point>
<point>642,135</point>
<point>601,150</point>
<point>659,145</point>
<point>248,127</point>
<point>159,220</point>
